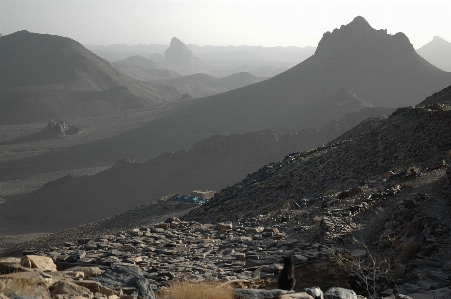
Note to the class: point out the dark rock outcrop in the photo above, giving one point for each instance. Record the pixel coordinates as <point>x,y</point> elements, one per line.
<point>286,279</point>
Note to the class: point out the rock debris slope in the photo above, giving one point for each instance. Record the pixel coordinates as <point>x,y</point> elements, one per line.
<point>368,213</point>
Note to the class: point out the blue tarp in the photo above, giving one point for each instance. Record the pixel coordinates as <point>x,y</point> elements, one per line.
<point>190,199</point>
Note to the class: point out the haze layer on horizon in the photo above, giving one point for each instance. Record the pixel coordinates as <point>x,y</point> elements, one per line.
<point>220,23</point>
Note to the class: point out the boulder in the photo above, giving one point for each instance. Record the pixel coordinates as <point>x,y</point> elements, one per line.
<point>224,226</point>
<point>10,264</point>
<point>322,271</point>
<point>95,287</point>
<point>126,277</point>
<point>301,295</point>
<point>340,293</point>
<point>70,288</point>
<point>41,262</point>
<point>315,292</point>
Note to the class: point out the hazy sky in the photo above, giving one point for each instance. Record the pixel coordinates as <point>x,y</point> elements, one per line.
<point>265,23</point>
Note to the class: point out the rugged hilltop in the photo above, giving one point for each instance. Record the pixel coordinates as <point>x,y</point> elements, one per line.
<point>47,76</point>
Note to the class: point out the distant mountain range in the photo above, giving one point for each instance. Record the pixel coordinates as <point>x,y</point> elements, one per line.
<point>202,85</point>
<point>143,69</point>
<point>437,52</point>
<point>368,65</point>
<point>209,54</point>
<point>45,76</point>
<point>217,61</point>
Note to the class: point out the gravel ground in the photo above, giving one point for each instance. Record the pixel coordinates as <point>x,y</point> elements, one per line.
<point>14,245</point>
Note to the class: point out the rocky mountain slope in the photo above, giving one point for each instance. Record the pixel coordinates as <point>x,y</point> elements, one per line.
<point>62,79</point>
<point>377,152</point>
<point>370,211</point>
<point>384,186</point>
<point>211,163</point>
<point>437,52</point>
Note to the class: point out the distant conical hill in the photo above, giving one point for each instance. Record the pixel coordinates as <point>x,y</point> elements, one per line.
<point>437,52</point>
<point>137,60</point>
<point>46,73</point>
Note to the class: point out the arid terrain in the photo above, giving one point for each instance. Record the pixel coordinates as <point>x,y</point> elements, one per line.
<point>124,169</point>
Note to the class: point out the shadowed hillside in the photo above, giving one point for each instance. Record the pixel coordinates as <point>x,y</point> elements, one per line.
<point>46,76</point>
<point>211,163</point>
<point>143,69</point>
<point>350,178</point>
<point>202,85</point>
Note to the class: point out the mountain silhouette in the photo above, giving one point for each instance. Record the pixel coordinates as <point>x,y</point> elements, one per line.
<point>383,70</point>
<point>178,54</point>
<point>437,52</point>
<point>380,68</point>
<point>45,76</point>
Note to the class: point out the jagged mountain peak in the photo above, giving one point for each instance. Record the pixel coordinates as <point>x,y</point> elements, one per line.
<point>360,23</point>
<point>358,37</point>
<point>178,54</point>
<point>175,42</point>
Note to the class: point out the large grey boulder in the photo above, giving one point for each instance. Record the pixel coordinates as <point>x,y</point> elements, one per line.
<point>123,276</point>
<point>340,293</point>
<point>315,292</point>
